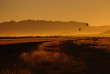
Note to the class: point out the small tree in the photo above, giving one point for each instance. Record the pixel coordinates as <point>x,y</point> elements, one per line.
<point>87,24</point>
<point>79,29</point>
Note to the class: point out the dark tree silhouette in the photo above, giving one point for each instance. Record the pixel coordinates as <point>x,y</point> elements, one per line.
<point>79,29</point>
<point>87,24</point>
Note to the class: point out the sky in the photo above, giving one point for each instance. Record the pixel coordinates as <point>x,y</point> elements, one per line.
<point>95,12</point>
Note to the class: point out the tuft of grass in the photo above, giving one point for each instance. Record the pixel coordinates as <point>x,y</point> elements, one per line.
<point>58,46</point>
<point>15,69</point>
<point>52,61</point>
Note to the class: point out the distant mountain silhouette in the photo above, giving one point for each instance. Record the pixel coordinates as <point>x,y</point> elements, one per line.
<point>39,27</point>
<point>42,27</point>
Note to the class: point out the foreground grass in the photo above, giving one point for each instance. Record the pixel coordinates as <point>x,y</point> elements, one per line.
<point>63,57</point>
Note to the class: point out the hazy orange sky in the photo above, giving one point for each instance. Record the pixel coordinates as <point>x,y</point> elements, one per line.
<point>95,12</point>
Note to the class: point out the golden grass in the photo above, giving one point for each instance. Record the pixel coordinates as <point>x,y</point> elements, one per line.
<point>57,46</point>
<point>53,61</point>
<point>62,57</point>
<point>15,69</point>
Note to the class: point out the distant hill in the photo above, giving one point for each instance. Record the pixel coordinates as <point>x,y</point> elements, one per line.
<point>106,33</point>
<point>39,27</point>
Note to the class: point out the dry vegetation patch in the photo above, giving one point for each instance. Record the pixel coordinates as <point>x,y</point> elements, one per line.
<point>80,56</point>
<point>52,61</point>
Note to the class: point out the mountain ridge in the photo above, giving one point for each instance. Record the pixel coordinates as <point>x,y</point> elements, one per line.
<point>39,27</point>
